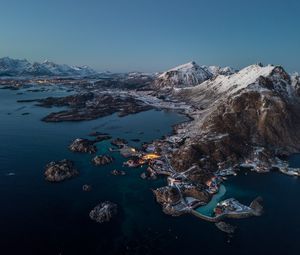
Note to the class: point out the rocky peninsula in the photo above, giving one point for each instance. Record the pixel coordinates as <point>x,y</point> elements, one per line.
<point>90,105</point>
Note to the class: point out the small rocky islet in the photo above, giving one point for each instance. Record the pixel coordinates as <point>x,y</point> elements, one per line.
<point>101,160</point>
<point>83,145</point>
<point>87,187</point>
<point>117,172</point>
<point>104,212</point>
<point>57,171</point>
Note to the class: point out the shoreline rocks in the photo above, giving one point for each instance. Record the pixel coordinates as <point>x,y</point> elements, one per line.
<point>57,171</point>
<point>104,212</point>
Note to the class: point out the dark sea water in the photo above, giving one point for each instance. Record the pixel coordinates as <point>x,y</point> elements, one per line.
<point>38,217</point>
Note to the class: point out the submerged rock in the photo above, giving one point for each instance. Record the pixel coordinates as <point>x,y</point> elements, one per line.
<point>136,140</point>
<point>86,187</point>
<point>97,133</point>
<point>117,172</point>
<point>225,227</point>
<point>100,138</point>
<point>102,160</point>
<point>104,212</point>
<point>57,171</point>
<point>257,206</point>
<point>83,145</point>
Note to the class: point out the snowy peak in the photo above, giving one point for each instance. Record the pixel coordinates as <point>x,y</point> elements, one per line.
<point>12,67</point>
<point>17,67</point>
<point>185,67</point>
<point>249,76</point>
<point>262,79</point>
<point>243,78</point>
<point>186,75</point>
<point>217,70</point>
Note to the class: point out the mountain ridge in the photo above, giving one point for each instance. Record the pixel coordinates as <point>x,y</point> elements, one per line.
<point>22,67</point>
<point>257,107</point>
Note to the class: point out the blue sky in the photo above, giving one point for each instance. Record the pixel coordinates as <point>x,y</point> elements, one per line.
<point>152,35</point>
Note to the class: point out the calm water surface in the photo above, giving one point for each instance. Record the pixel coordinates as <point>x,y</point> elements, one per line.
<point>42,218</point>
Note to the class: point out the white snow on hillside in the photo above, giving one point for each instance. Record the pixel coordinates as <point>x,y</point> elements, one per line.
<point>217,70</point>
<point>189,74</point>
<point>249,78</point>
<point>240,79</point>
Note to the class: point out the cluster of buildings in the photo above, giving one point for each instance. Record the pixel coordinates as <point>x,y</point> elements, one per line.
<point>181,195</point>
<point>231,207</point>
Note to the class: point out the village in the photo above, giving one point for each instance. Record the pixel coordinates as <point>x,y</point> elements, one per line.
<point>181,195</point>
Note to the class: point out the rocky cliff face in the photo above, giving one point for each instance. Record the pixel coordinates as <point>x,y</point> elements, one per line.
<point>258,107</point>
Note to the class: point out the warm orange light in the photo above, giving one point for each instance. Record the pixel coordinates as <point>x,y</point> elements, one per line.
<point>150,156</point>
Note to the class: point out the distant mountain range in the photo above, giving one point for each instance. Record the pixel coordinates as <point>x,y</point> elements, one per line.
<point>189,74</point>
<point>22,67</point>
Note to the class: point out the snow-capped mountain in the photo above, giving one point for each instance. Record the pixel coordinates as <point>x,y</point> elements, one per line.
<point>217,70</point>
<point>13,67</point>
<point>186,75</point>
<point>254,77</point>
<point>17,67</point>
<point>255,107</point>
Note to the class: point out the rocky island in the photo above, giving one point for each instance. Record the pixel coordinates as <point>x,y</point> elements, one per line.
<point>101,160</point>
<point>57,171</point>
<point>83,145</point>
